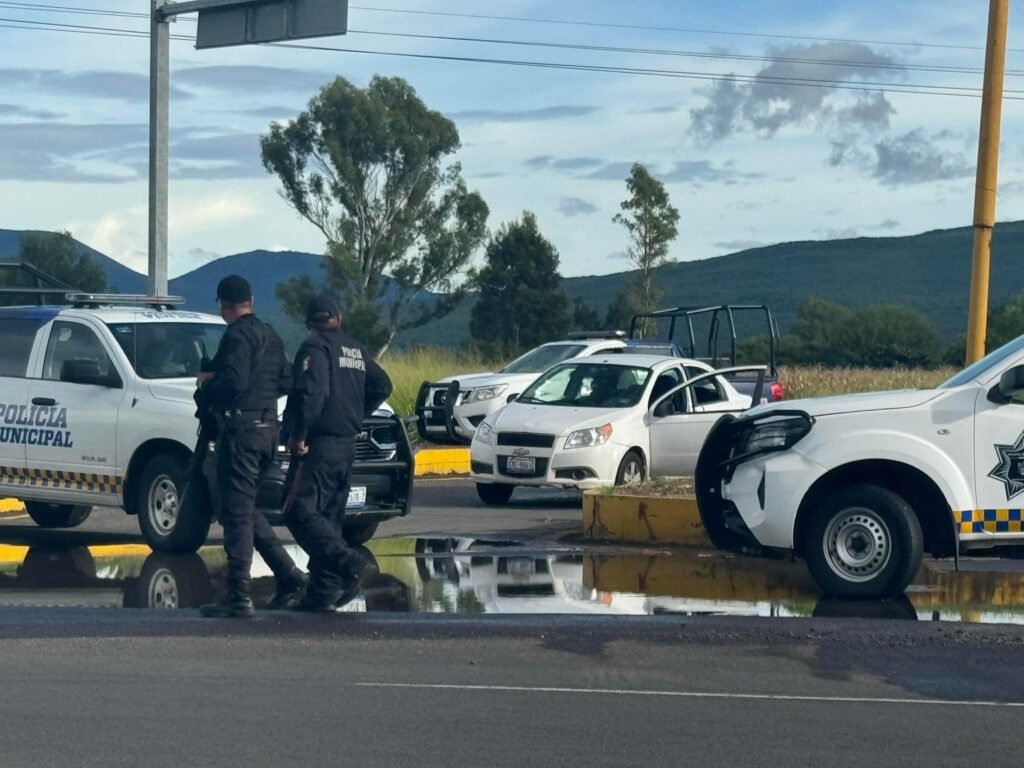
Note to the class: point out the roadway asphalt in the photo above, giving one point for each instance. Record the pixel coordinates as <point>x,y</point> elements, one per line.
<point>95,687</point>
<point>119,688</point>
<point>440,508</point>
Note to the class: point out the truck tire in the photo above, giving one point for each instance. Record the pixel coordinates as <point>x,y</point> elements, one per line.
<point>631,469</point>
<point>863,541</point>
<point>494,494</point>
<point>166,524</point>
<point>356,535</point>
<point>57,515</point>
<point>170,581</point>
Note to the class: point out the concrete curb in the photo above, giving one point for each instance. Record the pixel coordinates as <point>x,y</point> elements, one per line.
<point>645,520</point>
<point>442,461</point>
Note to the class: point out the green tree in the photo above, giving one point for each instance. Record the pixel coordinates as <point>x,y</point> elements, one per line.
<point>818,326</point>
<point>58,255</point>
<point>620,311</point>
<point>1005,323</point>
<point>883,337</point>
<point>366,167</point>
<point>584,316</point>
<point>652,224</point>
<point>521,302</point>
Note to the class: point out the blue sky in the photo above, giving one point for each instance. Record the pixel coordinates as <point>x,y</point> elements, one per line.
<point>747,162</point>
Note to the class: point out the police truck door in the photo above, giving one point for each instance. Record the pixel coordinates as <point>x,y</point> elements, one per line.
<point>999,471</point>
<point>74,412</point>
<point>17,340</point>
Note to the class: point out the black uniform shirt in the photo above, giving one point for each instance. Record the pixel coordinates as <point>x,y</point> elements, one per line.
<point>250,367</point>
<point>336,385</point>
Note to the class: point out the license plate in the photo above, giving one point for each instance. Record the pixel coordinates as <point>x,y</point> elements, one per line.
<point>521,465</point>
<point>522,567</point>
<point>356,497</point>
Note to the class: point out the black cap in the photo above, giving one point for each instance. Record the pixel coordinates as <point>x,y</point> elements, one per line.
<point>321,308</point>
<point>234,289</point>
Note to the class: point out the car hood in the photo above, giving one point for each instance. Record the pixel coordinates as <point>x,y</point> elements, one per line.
<point>517,381</point>
<point>865,401</point>
<point>552,419</point>
<point>466,380</point>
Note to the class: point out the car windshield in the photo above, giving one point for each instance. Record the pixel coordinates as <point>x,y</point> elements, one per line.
<point>991,360</point>
<point>540,359</point>
<point>589,385</point>
<point>168,350</point>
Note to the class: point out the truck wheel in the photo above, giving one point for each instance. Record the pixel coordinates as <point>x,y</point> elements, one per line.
<point>359,534</point>
<point>631,470</point>
<point>56,515</point>
<point>166,524</point>
<point>172,581</point>
<point>863,541</point>
<point>494,494</point>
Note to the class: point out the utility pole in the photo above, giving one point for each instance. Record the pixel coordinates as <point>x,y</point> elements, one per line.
<point>221,23</point>
<point>159,109</point>
<point>985,186</point>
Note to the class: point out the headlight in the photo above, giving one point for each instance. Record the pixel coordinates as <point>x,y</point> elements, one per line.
<point>486,393</point>
<point>772,433</point>
<point>588,438</point>
<point>484,434</point>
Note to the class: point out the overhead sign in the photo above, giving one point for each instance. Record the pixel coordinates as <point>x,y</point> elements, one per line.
<point>271,21</point>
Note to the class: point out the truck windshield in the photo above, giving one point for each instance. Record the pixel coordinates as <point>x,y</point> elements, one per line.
<point>542,358</point>
<point>991,360</point>
<point>589,385</point>
<point>167,350</point>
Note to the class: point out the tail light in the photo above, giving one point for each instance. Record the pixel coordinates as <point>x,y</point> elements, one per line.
<point>775,392</point>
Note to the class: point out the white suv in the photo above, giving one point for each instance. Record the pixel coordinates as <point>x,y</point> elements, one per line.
<point>860,485</point>
<point>96,409</point>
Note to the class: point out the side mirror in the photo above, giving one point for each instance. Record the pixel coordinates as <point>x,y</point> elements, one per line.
<point>511,398</point>
<point>1010,386</point>
<point>87,372</point>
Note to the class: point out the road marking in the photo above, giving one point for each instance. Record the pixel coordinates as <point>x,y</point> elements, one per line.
<point>696,694</point>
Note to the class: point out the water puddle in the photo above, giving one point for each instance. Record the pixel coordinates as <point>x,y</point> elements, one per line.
<point>472,576</point>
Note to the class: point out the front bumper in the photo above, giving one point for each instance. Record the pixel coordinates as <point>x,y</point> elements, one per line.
<point>750,506</point>
<point>582,468</point>
<point>388,482</point>
<point>435,412</point>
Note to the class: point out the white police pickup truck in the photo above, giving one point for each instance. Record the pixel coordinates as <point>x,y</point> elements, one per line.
<point>861,485</point>
<point>96,409</point>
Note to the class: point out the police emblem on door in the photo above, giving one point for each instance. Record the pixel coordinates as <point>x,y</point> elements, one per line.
<point>1010,469</point>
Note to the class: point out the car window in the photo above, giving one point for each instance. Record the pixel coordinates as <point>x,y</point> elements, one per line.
<point>74,342</point>
<point>706,391</point>
<point>589,385</point>
<point>17,337</point>
<point>167,350</point>
<point>542,358</point>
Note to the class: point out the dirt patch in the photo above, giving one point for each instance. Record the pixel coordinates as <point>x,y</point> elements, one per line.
<point>662,488</point>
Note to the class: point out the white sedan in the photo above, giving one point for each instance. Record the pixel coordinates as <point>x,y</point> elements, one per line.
<point>601,420</point>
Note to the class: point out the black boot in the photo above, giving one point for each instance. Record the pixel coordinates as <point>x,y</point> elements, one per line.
<point>289,589</point>
<point>238,604</point>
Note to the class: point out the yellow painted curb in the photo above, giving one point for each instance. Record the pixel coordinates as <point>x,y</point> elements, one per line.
<point>11,508</point>
<point>442,461</point>
<point>645,520</point>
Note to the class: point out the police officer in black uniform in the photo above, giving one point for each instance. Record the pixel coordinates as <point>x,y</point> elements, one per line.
<point>336,384</point>
<point>249,373</point>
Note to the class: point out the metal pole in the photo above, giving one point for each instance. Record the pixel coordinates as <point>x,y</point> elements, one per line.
<point>159,107</point>
<point>985,186</point>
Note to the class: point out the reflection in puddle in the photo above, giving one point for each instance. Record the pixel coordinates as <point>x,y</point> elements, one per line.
<point>472,576</point>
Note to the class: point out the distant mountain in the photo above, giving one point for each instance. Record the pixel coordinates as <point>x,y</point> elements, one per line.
<point>928,272</point>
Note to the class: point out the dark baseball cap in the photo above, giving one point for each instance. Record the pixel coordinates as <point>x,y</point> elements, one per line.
<point>234,289</point>
<point>322,308</point>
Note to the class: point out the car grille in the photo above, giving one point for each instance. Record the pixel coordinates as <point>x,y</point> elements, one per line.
<point>526,439</point>
<point>439,397</point>
<point>377,444</point>
<point>541,469</point>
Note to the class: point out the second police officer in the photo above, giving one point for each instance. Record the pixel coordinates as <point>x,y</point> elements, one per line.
<point>335,385</point>
<point>250,372</point>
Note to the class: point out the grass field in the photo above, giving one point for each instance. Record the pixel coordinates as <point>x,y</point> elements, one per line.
<point>409,369</point>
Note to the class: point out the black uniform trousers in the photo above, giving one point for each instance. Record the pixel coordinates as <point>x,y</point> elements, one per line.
<point>244,454</point>
<point>318,488</point>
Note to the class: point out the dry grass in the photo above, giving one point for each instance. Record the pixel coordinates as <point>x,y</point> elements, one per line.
<point>409,369</point>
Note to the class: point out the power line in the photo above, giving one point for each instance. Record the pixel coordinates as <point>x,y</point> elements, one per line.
<point>642,27</point>
<point>946,69</point>
<point>912,88</point>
